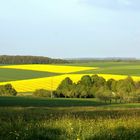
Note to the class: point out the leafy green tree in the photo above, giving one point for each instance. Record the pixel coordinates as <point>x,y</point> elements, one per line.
<point>65,87</point>
<point>104,94</point>
<point>65,83</point>
<point>86,81</point>
<point>74,93</point>
<point>84,86</point>
<point>111,84</point>
<point>127,85</point>
<point>97,84</point>
<point>98,81</point>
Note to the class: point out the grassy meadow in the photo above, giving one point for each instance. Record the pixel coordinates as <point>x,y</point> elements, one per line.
<point>73,119</point>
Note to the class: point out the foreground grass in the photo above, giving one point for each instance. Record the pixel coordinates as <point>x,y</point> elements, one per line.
<point>55,124</point>
<point>67,119</point>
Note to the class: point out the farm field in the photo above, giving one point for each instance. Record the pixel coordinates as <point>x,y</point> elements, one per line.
<point>50,68</point>
<point>71,119</point>
<point>51,83</point>
<point>26,78</point>
<point>117,68</point>
<point>104,64</point>
<point>7,74</point>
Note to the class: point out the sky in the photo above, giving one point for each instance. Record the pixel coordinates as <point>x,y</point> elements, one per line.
<point>70,28</point>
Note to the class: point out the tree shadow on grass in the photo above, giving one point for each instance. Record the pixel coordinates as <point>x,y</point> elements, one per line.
<point>44,102</point>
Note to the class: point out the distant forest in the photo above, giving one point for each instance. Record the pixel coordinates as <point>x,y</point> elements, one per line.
<point>5,59</point>
<point>110,59</point>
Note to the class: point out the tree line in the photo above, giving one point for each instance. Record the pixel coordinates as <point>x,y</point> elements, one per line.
<point>5,59</point>
<point>124,90</point>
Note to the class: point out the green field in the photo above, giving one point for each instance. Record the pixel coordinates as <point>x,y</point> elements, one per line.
<point>72,119</point>
<point>113,70</point>
<point>118,68</point>
<point>15,74</point>
<point>29,101</point>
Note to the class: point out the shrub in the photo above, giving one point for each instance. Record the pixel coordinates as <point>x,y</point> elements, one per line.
<point>42,93</point>
<point>7,90</point>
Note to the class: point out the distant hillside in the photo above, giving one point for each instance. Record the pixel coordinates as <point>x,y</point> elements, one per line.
<point>5,59</point>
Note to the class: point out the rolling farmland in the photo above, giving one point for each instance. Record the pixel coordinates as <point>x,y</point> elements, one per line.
<point>29,117</point>
<point>27,78</point>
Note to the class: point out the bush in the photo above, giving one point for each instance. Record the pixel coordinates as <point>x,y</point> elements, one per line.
<point>7,90</point>
<point>42,93</point>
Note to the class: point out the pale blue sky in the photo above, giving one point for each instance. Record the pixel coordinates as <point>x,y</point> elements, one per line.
<point>70,28</point>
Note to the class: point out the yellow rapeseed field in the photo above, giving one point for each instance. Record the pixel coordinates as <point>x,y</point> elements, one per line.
<point>51,83</point>
<point>49,68</point>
